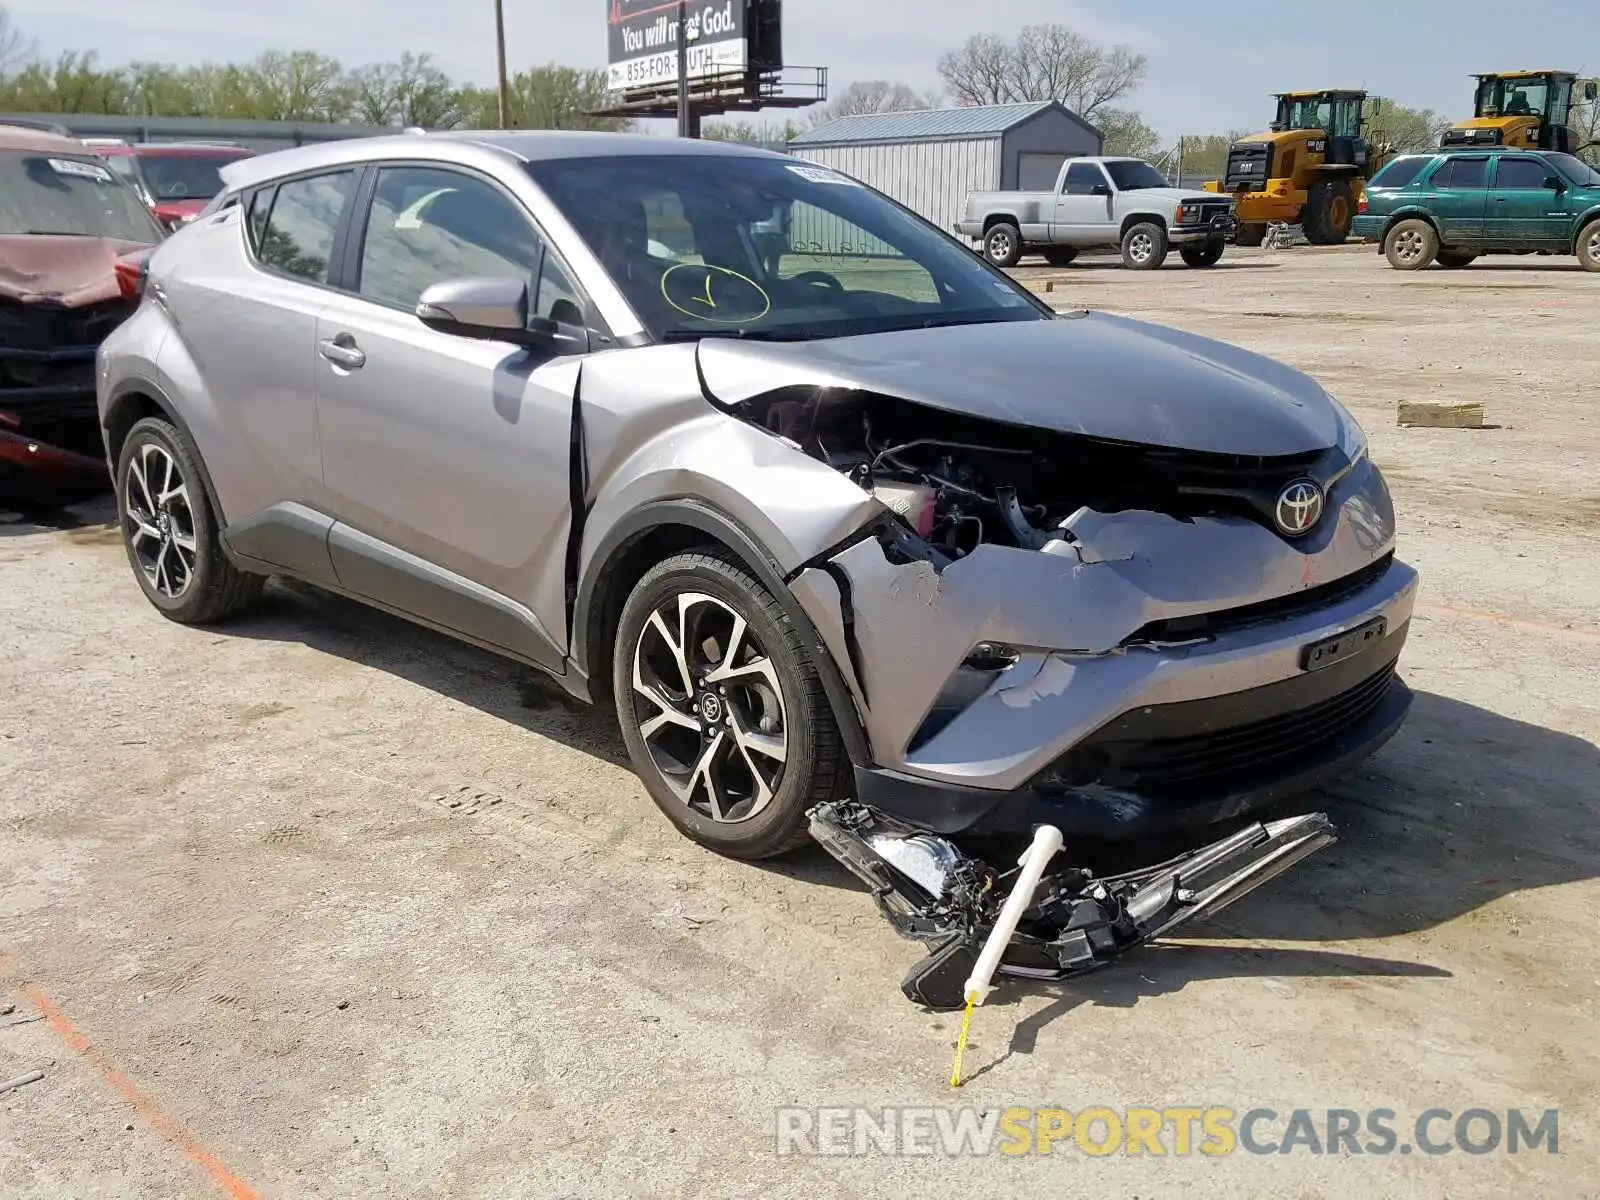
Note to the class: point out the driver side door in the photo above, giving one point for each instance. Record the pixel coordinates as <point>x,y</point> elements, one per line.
<point>1083,209</point>
<point>448,459</point>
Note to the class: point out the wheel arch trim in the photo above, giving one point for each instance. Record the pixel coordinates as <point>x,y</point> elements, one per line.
<point>588,628</point>
<point>134,388</point>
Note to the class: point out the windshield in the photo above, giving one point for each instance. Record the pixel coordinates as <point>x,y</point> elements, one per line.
<point>1512,98</point>
<point>42,193</point>
<point>1130,175</point>
<point>1575,169</point>
<point>183,176</point>
<point>736,246</point>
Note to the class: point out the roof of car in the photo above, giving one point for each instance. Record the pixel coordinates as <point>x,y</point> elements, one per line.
<point>182,149</point>
<point>20,137</point>
<point>521,145</point>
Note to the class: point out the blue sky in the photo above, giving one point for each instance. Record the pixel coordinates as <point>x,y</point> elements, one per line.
<point>1208,72</point>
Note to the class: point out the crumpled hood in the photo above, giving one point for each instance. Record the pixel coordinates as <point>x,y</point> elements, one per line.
<point>1086,373</point>
<point>64,271</point>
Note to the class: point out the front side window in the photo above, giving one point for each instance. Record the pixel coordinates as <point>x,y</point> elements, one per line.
<point>297,236</point>
<point>755,246</point>
<point>429,225</point>
<point>1083,178</point>
<point>1515,174</point>
<point>1575,169</point>
<point>1462,173</point>
<point>69,195</point>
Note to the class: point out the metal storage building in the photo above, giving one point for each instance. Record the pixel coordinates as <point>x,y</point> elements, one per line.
<point>929,160</point>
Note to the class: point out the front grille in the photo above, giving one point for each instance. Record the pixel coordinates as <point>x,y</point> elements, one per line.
<point>1213,755</point>
<point>1210,212</point>
<point>1249,166</point>
<point>38,327</point>
<point>1207,625</point>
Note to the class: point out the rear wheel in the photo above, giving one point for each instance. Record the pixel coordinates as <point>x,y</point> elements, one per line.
<point>1411,245</point>
<point>1589,246</point>
<point>1060,256</point>
<point>1204,255</point>
<point>1144,247</point>
<point>1330,210</point>
<point>721,707</point>
<point>1002,245</point>
<point>1455,259</point>
<point>1252,233</point>
<point>171,533</point>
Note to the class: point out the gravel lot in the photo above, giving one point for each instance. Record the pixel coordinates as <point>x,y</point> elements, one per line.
<point>270,961</point>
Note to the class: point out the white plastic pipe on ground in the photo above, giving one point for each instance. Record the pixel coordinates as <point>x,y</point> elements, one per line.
<point>1046,841</point>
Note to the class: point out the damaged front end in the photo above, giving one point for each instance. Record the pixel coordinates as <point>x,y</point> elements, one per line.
<point>932,892</point>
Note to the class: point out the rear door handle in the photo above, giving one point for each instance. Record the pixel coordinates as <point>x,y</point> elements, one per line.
<point>342,351</point>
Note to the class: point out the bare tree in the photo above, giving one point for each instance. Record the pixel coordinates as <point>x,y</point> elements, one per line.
<point>410,92</point>
<point>15,50</point>
<point>1046,62</point>
<point>1585,123</point>
<point>872,96</point>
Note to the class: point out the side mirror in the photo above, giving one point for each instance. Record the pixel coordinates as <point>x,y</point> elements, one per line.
<point>1555,183</point>
<point>1101,189</point>
<point>495,310</point>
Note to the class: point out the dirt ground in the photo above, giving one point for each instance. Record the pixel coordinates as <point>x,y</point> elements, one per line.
<point>321,905</point>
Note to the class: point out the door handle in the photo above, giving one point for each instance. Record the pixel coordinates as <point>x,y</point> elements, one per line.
<point>342,351</point>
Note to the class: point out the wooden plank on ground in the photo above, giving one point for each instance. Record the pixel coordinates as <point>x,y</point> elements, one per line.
<point>1421,415</point>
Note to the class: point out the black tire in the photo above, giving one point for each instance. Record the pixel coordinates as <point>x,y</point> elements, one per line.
<point>1411,245</point>
<point>1251,234</point>
<point>1455,259</point>
<point>1206,254</point>
<point>1060,256</point>
<point>191,586</point>
<point>1329,212</point>
<point>1588,246</point>
<point>813,767</point>
<point>1144,246</point>
<point>1002,245</point>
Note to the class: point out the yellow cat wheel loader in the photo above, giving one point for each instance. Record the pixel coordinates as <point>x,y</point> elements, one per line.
<point>1308,169</point>
<point>1530,110</point>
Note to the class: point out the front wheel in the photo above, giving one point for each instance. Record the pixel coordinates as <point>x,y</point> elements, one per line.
<point>1144,247</point>
<point>1002,245</point>
<point>1206,254</point>
<point>1329,213</point>
<point>170,531</point>
<point>722,710</point>
<point>1589,246</point>
<point>1411,245</point>
<point>1250,233</point>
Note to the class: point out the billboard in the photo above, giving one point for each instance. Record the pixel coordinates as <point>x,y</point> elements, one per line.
<point>644,41</point>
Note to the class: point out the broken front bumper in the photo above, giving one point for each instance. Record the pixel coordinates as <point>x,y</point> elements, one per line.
<point>1153,674</point>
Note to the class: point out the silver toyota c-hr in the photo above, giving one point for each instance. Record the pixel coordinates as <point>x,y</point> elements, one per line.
<point>828,508</point>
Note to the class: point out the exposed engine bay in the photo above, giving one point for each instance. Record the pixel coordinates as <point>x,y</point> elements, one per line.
<point>959,482</point>
<point>933,892</point>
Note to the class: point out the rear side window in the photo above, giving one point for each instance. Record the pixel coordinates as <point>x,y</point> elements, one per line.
<point>1519,173</point>
<point>1400,172</point>
<point>1462,173</point>
<point>297,235</point>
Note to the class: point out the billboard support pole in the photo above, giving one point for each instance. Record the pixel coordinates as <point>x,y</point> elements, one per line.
<point>686,121</point>
<point>500,60</point>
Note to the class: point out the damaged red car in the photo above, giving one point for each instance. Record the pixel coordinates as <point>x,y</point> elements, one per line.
<point>66,222</point>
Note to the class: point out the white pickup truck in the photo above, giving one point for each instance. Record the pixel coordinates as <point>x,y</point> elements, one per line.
<point>1118,203</point>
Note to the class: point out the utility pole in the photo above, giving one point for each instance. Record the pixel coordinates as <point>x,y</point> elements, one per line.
<point>688,127</point>
<point>500,58</point>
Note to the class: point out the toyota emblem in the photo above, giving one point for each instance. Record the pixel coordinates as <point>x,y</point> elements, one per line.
<point>1299,508</point>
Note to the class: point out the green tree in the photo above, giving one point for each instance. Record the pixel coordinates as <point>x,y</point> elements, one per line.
<point>547,97</point>
<point>74,83</point>
<point>1404,129</point>
<point>760,133</point>
<point>1126,133</point>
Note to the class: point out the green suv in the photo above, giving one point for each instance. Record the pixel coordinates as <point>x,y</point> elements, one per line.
<point>1450,207</point>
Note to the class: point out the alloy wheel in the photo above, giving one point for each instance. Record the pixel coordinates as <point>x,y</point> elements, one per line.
<point>1000,246</point>
<point>1408,245</point>
<point>1141,247</point>
<point>159,523</point>
<point>1591,245</point>
<point>710,708</point>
